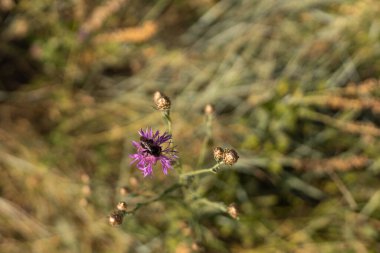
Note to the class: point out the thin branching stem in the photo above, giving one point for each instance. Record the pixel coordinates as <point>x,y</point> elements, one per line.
<point>159,197</point>
<point>166,116</point>
<point>343,189</point>
<point>206,140</point>
<point>203,171</point>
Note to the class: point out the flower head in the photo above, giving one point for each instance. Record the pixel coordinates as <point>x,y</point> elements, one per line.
<point>151,149</point>
<point>162,101</point>
<point>116,218</point>
<point>121,206</point>
<point>218,154</point>
<point>232,211</point>
<point>230,156</point>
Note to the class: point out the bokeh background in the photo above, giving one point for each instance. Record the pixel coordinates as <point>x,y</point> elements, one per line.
<point>295,89</point>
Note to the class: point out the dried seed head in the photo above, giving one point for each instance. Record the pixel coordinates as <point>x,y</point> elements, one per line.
<point>116,218</point>
<point>122,206</point>
<point>156,96</point>
<point>230,156</point>
<point>218,154</point>
<point>209,109</point>
<point>232,211</point>
<point>124,190</point>
<point>162,101</point>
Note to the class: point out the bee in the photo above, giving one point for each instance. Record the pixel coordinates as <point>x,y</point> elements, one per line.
<point>150,147</point>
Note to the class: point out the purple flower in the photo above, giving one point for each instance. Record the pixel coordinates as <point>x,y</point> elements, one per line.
<point>150,150</point>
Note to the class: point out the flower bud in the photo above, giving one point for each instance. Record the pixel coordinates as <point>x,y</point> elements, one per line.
<point>122,206</point>
<point>209,109</point>
<point>116,218</point>
<point>230,156</point>
<point>162,102</point>
<point>232,211</point>
<point>124,190</point>
<point>156,96</point>
<point>218,154</point>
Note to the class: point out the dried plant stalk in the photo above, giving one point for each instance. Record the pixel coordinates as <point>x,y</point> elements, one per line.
<point>26,225</point>
<point>100,14</point>
<point>365,129</point>
<point>132,34</point>
<point>331,164</point>
<point>337,102</point>
<point>362,88</point>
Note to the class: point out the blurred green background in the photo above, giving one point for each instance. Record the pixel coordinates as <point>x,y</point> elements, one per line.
<point>295,89</point>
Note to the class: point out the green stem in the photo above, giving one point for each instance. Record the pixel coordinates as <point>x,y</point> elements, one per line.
<point>206,140</point>
<point>197,172</point>
<point>166,116</point>
<point>163,194</point>
<point>343,189</point>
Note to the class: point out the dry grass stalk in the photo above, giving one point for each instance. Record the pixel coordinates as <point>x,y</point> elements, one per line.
<point>18,219</point>
<point>100,14</point>
<point>331,164</point>
<point>337,102</point>
<point>132,34</point>
<point>341,102</point>
<point>362,88</point>
<point>365,129</point>
<point>356,104</point>
<point>358,128</point>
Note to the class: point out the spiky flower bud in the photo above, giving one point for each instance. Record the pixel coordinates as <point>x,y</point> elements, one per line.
<point>218,154</point>
<point>116,218</point>
<point>230,156</point>
<point>122,206</point>
<point>209,109</point>
<point>232,211</point>
<point>162,101</point>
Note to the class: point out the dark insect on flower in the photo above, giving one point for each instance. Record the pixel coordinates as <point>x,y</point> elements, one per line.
<point>150,150</point>
<point>150,147</point>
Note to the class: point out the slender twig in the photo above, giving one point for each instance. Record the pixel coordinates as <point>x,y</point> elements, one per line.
<point>159,197</point>
<point>206,140</point>
<point>343,189</point>
<point>197,172</point>
<point>166,116</point>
